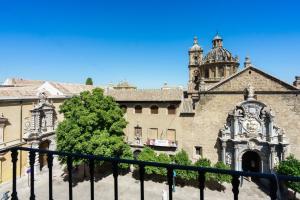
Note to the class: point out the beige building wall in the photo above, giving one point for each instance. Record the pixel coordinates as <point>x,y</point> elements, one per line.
<point>18,113</point>
<point>147,121</point>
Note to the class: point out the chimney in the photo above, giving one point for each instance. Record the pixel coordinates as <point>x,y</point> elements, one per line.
<point>297,82</point>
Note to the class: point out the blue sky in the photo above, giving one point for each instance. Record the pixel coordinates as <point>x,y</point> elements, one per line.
<point>143,42</point>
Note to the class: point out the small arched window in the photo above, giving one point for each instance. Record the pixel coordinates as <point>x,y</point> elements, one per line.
<point>138,109</point>
<point>124,108</point>
<point>171,110</point>
<point>154,109</point>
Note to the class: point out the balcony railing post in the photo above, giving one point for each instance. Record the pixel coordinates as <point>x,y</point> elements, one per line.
<point>170,182</point>
<point>31,162</point>
<point>273,188</point>
<point>14,159</point>
<point>235,182</point>
<point>201,180</point>
<point>50,164</point>
<point>142,174</point>
<point>115,174</point>
<point>92,166</point>
<point>69,166</point>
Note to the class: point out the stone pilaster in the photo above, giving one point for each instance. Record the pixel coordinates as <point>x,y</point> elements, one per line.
<point>272,157</point>
<point>236,158</point>
<point>224,152</point>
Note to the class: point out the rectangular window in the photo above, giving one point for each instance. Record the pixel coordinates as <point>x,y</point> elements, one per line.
<point>171,135</point>
<point>153,132</point>
<point>198,151</point>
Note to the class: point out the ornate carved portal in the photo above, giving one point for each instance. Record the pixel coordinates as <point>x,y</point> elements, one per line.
<point>40,127</point>
<point>42,122</point>
<point>250,129</point>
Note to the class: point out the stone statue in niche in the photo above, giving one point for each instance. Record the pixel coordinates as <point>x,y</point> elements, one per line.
<point>228,158</point>
<point>27,124</point>
<point>276,160</point>
<point>42,98</point>
<point>44,124</point>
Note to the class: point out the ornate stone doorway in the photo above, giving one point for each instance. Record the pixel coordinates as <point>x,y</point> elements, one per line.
<point>251,162</point>
<point>250,139</point>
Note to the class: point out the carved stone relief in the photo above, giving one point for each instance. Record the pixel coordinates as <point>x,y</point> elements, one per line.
<point>42,120</point>
<point>251,127</point>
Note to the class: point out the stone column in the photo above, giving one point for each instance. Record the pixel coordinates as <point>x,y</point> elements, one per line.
<point>271,130</point>
<point>49,120</point>
<point>224,152</point>
<point>35,145</point>
<point>236,158</point>
<point>272,156</point>
<point>235,127</point>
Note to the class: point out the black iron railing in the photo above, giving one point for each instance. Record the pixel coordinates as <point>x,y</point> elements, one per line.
<point>274,179</point>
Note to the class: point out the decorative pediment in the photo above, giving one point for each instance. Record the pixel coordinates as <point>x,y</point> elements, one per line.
<point>257,78</point>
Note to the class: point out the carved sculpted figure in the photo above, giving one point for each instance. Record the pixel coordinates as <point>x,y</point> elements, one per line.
<point>250,90</point>
<point>228,158</point>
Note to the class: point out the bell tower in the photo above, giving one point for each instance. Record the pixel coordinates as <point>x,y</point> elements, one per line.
<point>195,59</point>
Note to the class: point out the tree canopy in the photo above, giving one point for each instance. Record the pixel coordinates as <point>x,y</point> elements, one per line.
<point>89,81</point>
<point>290,166</point>
<point>93,124</point>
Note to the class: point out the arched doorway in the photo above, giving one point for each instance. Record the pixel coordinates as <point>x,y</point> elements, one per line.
<point>251,161</point>
<point>44,145</point>
<point>136,154</point>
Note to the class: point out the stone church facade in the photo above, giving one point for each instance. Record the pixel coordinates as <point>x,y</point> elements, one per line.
<point>245,117</point>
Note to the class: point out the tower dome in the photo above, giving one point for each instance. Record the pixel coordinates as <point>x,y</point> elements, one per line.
<point>196,46</point>
<point>218,53</point>
<point>218,63</point>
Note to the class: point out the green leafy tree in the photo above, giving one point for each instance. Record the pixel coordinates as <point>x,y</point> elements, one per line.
<point>163,158</point>
<point>204,162</point>
<point>182,158</point>
<point>291,167</point>
<point>148,154</point>
<point>93,124</point>
<point>221,178</point>
<point>89,81</point>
